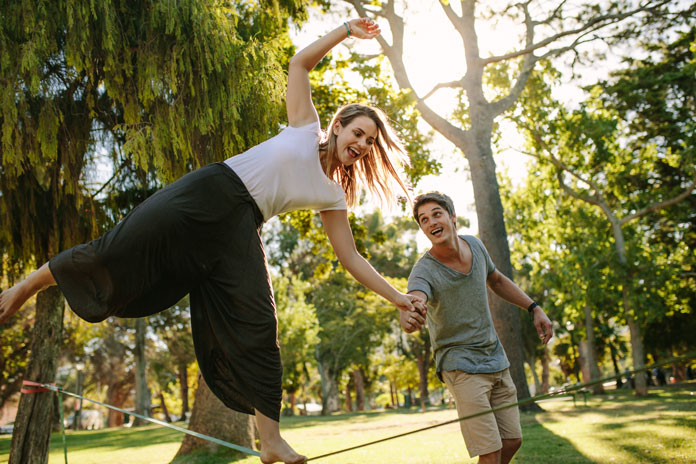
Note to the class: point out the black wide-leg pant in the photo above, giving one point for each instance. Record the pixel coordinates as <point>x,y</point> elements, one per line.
<point>199,235</point>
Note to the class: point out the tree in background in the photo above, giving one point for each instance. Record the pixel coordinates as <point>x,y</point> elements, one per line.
<point>297,333</point>
<point>173,328</point>
<point>633,162</point>
<point>544,33</point>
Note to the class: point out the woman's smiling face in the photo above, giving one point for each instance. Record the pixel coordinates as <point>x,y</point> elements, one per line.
<point>354,140</point>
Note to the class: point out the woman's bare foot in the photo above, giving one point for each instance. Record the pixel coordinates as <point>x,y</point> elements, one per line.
<point>273,447</point>
<point>14,297</point>
<point>280,451</point>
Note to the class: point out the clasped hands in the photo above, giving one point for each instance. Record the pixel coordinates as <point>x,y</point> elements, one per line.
<point>412,320</point>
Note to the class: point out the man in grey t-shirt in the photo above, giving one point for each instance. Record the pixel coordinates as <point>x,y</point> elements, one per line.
<point>453,276</point>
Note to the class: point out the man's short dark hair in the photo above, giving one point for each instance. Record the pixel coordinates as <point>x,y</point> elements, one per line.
<point>436,197</point>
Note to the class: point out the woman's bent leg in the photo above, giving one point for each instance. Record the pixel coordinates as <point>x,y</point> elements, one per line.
<point>13,298</point>
<point>273,447</point>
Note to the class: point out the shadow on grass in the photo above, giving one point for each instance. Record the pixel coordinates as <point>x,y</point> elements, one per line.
<point>541,446</point>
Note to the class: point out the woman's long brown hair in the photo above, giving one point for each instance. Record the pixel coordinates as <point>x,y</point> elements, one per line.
<point>375,170</point>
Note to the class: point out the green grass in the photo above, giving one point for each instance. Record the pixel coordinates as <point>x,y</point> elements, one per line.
<point>616,427</point>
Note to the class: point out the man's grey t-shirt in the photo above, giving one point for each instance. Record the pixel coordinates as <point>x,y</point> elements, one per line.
<point>459,319</point>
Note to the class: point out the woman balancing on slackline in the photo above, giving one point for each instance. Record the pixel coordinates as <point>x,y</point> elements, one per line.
<point>200,235</point>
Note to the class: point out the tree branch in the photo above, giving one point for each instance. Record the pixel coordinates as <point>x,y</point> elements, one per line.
<point>593,24</point>
<point>394,54</point>
<point>444,85</point>
<point>658,206</point>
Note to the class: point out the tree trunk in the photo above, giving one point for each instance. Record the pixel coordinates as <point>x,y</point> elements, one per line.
<point>34,421</point>
<point>617,372</point>
<point>584,362</point>
<point>349,398</point>
<point>679,372</point>
<point>641,385</point>
<point>211,417</point>
<point>423,367</point>
<point>359,390</point>
<point>535,376</point>
<point>117,395</point>
<point>329,389</point>
<point>78,409</point>
<point>165,411</point>
<point>545,370</point>
<point>423,360</point>
<point>293,401</point>
<point>143,404</point>
<point>491,223</point>
<point>183,389</point>
<point>591,350</point>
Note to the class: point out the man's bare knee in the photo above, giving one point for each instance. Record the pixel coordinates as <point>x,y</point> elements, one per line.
<point>512,444</point>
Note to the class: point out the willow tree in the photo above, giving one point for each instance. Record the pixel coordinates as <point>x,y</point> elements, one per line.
<point>167,86</point>
<point>490,85</point>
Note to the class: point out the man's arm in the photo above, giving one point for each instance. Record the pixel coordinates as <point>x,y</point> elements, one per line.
<point>510,292</point>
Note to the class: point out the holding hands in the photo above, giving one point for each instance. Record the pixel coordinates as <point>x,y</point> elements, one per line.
<point>412,315</point>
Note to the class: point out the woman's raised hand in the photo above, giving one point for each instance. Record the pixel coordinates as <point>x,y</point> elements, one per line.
<point>364,28</point>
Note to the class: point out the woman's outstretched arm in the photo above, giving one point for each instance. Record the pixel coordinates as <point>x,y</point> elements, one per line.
<point>338,230</point>
<point>298,98</point>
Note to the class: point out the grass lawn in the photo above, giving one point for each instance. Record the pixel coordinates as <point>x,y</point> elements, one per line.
<point>615,427</point>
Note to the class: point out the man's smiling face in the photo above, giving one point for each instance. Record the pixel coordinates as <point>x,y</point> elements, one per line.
<point>436,222</point>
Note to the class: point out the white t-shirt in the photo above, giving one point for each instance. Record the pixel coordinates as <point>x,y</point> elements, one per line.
<point>284,173</point>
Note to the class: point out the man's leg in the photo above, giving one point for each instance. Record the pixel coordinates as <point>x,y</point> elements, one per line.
<point>510,447</point>
<point>471,394</point>
<point>490,458</point>
<point>504,392</point>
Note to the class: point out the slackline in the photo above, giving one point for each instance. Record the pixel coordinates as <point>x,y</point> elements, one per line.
<point>41,387</point>
<point>562,391</point>
<point>52,387</point>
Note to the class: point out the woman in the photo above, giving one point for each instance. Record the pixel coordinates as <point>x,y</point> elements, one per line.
<point>200,235</point>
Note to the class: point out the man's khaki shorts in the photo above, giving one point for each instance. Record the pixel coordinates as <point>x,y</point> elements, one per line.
<point>481,392</point>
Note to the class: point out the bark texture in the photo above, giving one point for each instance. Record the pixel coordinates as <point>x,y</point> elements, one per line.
<point>211,417</point>
<point>35,415</point>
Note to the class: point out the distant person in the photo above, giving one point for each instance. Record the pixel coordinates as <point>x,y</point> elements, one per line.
<point>201,235</point>
<point>453,277</point>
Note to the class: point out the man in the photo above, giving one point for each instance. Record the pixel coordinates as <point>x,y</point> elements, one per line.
<point>452,276</point>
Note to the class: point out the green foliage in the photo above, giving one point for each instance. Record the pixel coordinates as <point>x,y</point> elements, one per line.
<point>15,342</point>
<point>297,330</point>
<point>623,151</point>
<point>352,321</point>
<point>165,85</point>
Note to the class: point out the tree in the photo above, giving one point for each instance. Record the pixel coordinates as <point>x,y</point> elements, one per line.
<point>167,85</point>
<point>351,322</point>
<point>297,332</point>
<point>211,417</point>
<point>173,327</point>
<point>545,33</point>
<point>627,161</point>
